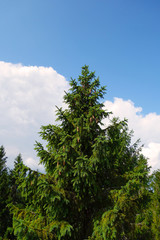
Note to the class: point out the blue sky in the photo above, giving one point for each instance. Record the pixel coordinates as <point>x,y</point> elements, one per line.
<point>119,39</point>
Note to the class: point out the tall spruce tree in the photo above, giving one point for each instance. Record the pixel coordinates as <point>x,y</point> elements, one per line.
<point>75,155</point>
<point>89,171</point>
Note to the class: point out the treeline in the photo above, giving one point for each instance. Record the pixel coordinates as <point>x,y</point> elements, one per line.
<point>96,183</point>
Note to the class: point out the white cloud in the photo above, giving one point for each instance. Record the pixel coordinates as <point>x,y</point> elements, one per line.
<point>152,151</point>
<point>27,101</point>
<point>32,163</point>
<point>145,127</point>
<point>28,93</point>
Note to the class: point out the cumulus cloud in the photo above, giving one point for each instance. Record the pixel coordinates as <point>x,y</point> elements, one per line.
<point>145,127</point>
<point>27,101</point>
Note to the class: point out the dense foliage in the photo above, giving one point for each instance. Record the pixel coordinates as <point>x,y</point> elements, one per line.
<point>96,183</point>
<point>4,191</point>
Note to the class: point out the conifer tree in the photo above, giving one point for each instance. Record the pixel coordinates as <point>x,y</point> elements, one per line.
<point>4,193</point>
<point>89,170</point>
<point>75,155</point>
<point>15,174</point>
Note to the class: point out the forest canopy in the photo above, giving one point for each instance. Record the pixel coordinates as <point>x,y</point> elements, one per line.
<point>97,183</point>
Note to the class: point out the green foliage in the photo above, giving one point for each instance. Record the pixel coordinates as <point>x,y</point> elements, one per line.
<point>120,221</point>
<point>35,210</point>
<point>154,208</point>
<point>5,218</point>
